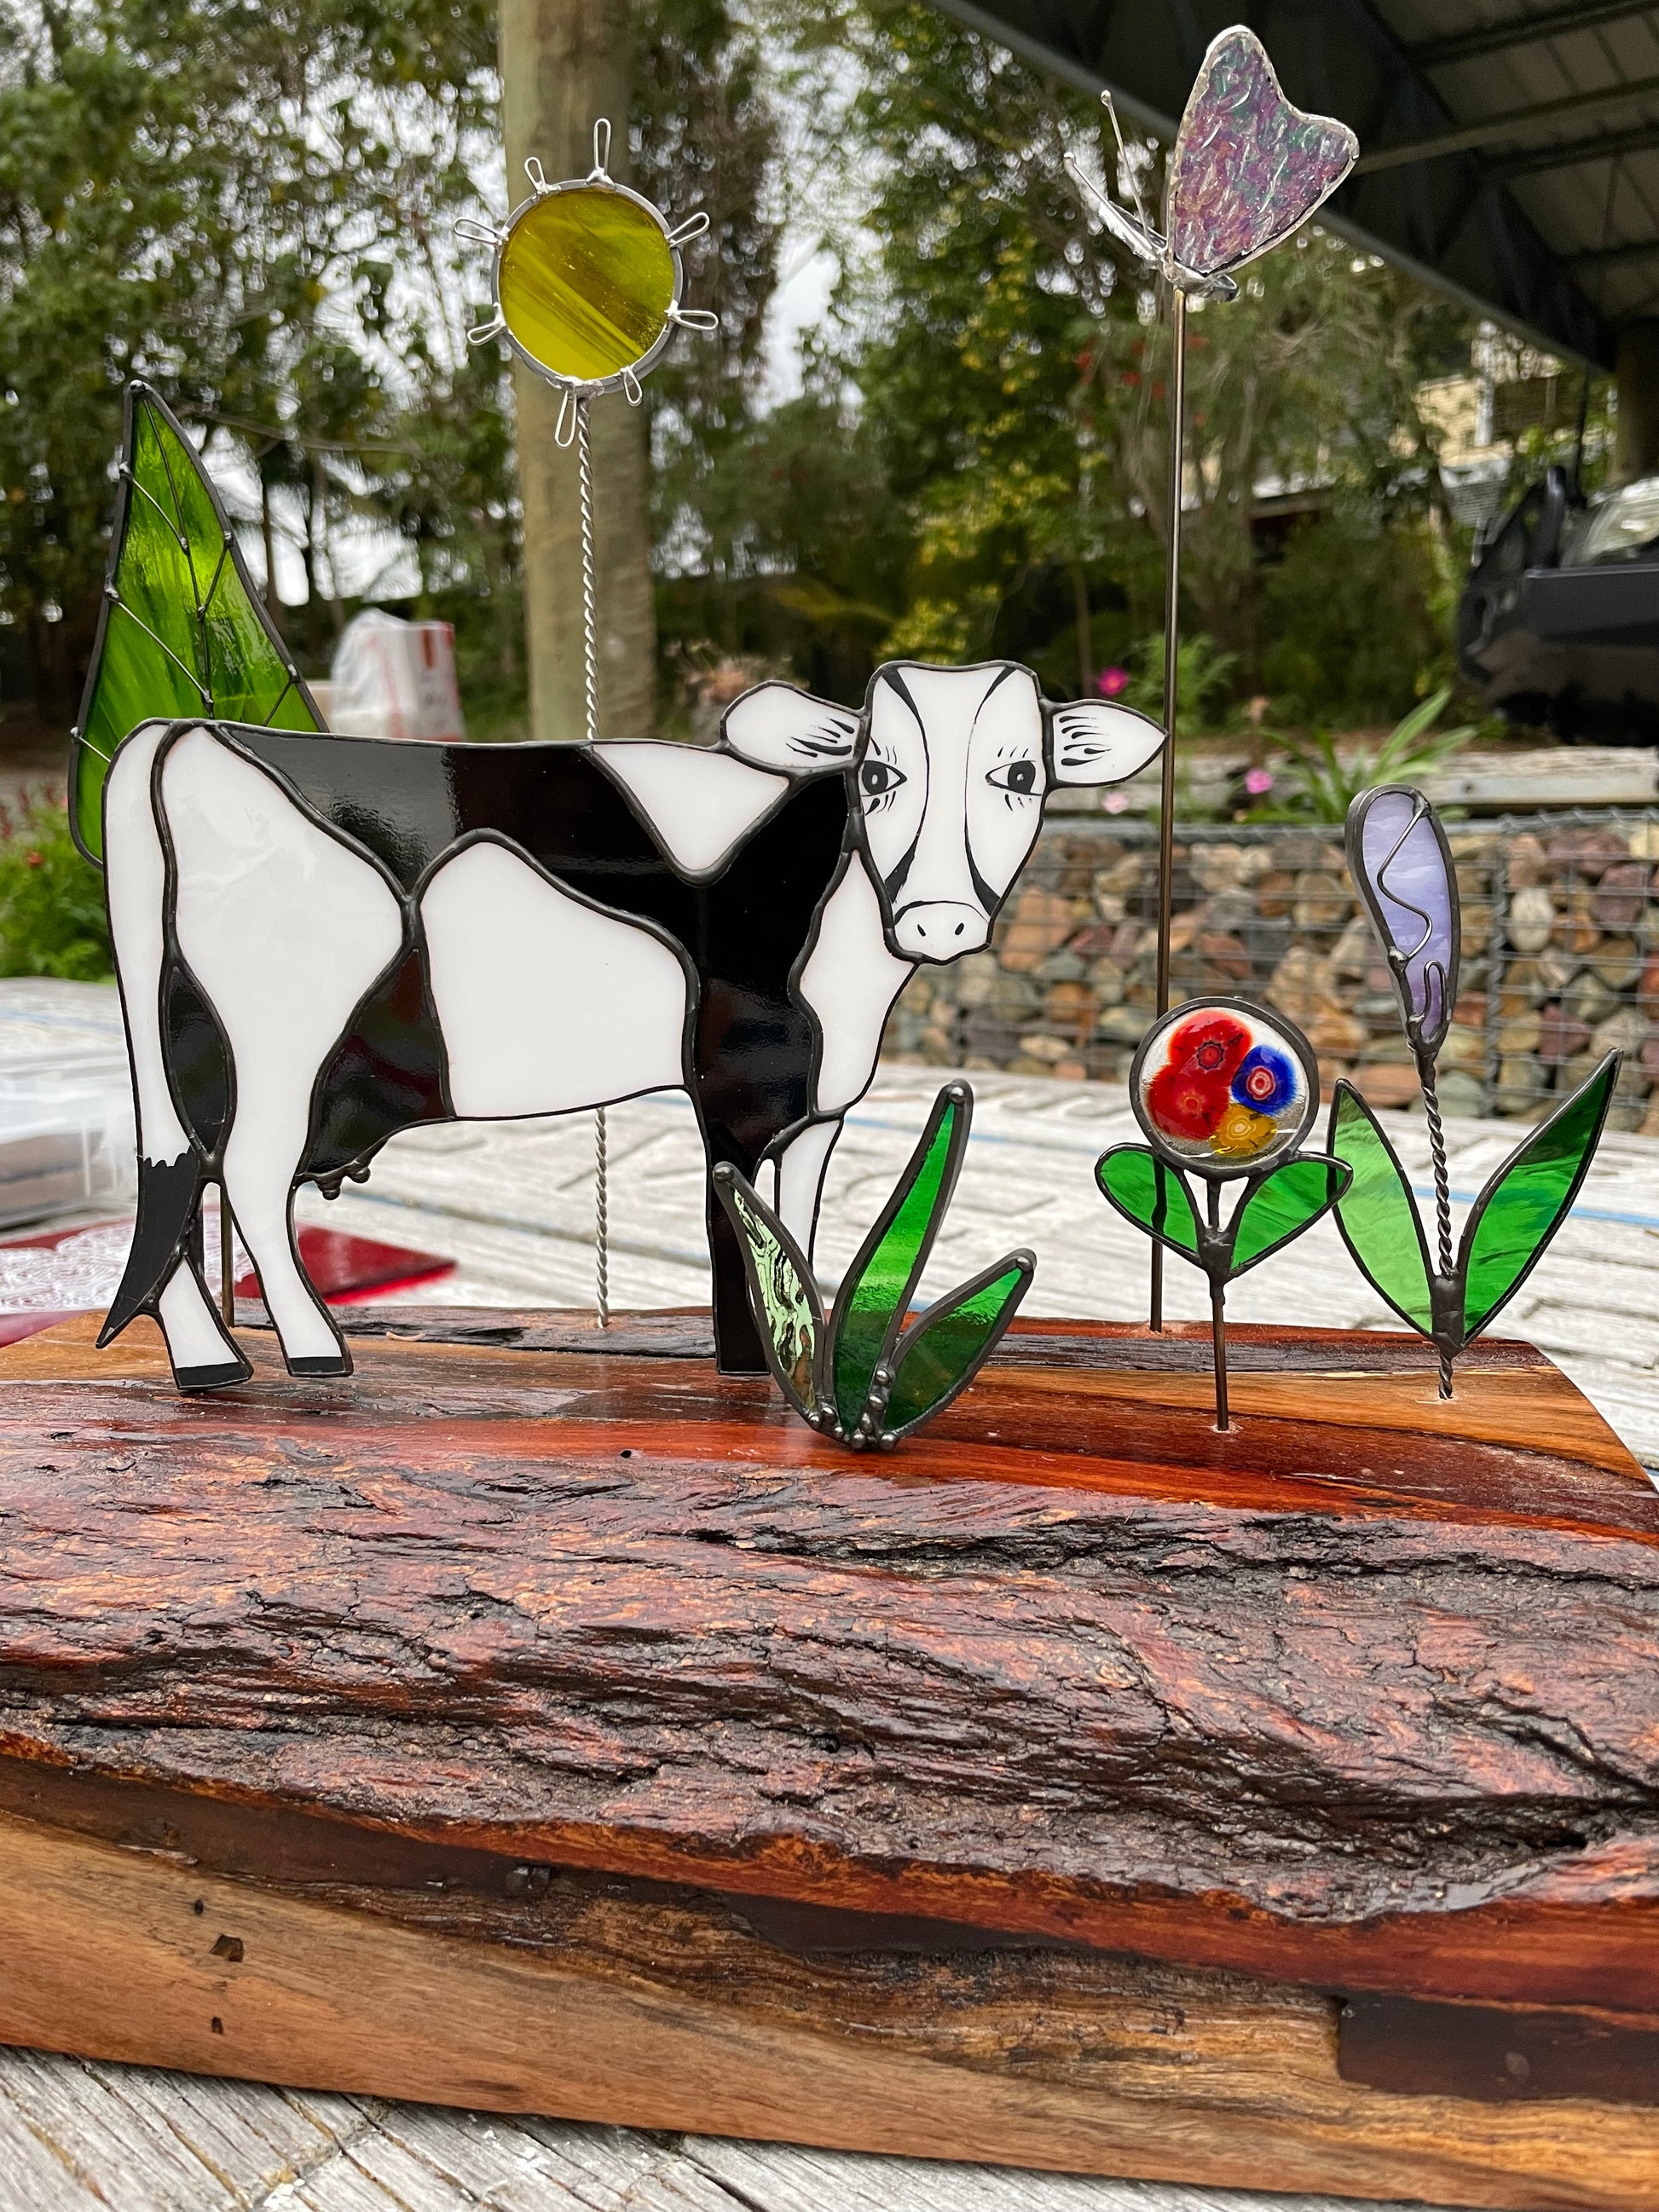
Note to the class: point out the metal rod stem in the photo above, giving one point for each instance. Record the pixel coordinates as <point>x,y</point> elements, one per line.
<point>1171,671</point>
<point>1219,1352</point>
<point>591,687</point>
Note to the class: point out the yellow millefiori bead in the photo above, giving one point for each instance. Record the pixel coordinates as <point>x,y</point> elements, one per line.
<point>1241,1133</point>
<point>587,281</point>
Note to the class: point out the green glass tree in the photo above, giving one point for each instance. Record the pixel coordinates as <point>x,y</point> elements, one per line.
<point>182,631</point>
<point>870,1374</point>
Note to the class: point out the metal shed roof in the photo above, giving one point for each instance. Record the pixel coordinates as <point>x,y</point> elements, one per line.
<point>1509,148</point>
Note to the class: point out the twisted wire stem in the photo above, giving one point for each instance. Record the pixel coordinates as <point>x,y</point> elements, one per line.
<point>1442,1198</point>
<point>591,689</point>
<point>589,617</point>
<point>601,1221</point>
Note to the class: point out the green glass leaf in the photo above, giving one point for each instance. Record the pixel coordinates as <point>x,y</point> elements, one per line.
<point>781,1294</point>
<point>940,1354</point>
<point>1151,1194</point>
<point>1287,1201</point>
<point>877,1289</point>
<point>1527,1200</point>
<point>182,631</point>
<point>1377,1214</point>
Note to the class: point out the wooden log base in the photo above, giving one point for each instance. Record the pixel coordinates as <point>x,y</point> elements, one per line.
<point>536,1721</point>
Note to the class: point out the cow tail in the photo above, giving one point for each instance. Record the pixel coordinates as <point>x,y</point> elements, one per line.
<point>170,1165</point>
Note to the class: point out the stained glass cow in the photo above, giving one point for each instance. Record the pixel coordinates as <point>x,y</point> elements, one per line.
<point>322,940</point>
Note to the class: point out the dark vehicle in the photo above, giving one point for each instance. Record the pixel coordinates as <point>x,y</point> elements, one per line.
<point>1559,623</point>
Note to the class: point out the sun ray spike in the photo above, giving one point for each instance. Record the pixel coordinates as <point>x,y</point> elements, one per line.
<point>478,234</point>
<point>564,430</point>
<point>532,169</point>
<point>485,332</point>
<point>631,387</point>
<point>693,226</point>
<point>694,319</point>
<point>601,171</point>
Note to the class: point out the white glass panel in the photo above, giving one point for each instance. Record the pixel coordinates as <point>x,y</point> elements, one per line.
<point>545,1004</point>
<point>134,876</point>
<point>850,981</point>
<point>285,930</point>
<point>700,804</point>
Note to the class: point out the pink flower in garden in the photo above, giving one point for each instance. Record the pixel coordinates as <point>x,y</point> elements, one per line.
<point>1114,802</point>
<point>1257,780</point>
<point>1111,680</point>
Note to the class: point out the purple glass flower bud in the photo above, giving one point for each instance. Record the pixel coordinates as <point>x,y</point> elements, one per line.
<point>1402,868</point>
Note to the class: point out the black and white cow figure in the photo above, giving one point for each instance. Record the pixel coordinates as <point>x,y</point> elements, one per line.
<point>322,940</point>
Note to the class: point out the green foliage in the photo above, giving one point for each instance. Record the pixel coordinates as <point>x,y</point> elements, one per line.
<point>1204,679</point>
<point>1377,1214</point>
<point>1274,1208</point>
<point>52,921</point>
<point>1320,783</point>
<point>1526,1201</point>
<point>864,1376</point>
<point>1355,620</point>
<point>224,202</point>
<point>1523,1203</point>
<point>1014,377</point>
<point>1153,1196</point>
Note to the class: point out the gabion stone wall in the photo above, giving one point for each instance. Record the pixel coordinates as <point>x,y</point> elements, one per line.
<point>1560,960</point>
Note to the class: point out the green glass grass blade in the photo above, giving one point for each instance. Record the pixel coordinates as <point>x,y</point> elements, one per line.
<point>781,1294</point>
<point>184,633</point>
<point>871,1304</point>
<point>1377,1213</point>
<point>1529,1199</point>
<point>939,1358</point>
<point>1151,1194</point>
<point>1291,1199</point>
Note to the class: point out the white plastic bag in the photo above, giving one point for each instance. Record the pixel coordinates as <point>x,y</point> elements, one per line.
<point>395,679</point>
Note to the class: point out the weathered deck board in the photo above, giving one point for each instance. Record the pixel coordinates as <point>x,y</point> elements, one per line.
<point>62,2122</point>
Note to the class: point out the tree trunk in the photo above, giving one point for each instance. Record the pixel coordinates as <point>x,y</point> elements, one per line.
<point>564,63</point>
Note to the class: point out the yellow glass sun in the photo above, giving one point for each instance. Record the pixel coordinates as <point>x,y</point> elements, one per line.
<point>588,280</point>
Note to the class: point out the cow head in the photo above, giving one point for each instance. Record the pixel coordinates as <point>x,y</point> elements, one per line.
<point>949,768</point>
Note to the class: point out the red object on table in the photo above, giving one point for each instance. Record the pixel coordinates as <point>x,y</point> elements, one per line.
<point>346,1270</point>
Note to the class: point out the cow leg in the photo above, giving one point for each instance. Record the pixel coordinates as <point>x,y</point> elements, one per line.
<point>286,931</point>
<point>800,1181</point>
<point>737,1349</point>
<point>163,1274</point>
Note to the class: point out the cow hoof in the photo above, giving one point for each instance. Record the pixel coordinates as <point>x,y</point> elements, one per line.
<point>222,1376</point>
<point>325,1366</point>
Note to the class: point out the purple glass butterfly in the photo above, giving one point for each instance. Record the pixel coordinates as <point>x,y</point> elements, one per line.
<point>1247,171</point>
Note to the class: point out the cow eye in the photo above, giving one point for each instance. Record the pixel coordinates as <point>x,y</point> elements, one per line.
<point>876,777</point>
<point>1019,776</point>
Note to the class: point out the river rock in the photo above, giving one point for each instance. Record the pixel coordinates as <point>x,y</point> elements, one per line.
<point>1531,918</point>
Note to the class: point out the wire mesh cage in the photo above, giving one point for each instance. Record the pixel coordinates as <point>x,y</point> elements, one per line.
<point>1560,958</point>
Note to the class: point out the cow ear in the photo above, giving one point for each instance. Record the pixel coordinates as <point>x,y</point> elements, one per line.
<point>777,726</point>
<point>1096,742</point>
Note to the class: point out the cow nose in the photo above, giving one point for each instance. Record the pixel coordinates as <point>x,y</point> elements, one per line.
<point>940,929</point>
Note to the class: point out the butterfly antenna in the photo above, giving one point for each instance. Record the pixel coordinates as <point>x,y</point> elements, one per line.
<point>1126,167</point>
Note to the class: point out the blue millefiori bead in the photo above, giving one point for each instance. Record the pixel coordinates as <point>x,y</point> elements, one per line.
<point>1268,1080</point>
